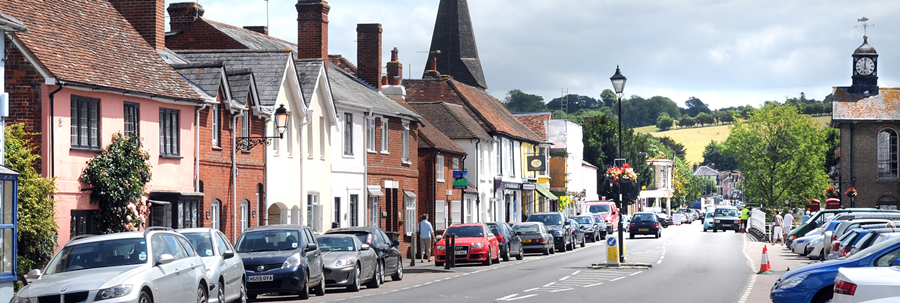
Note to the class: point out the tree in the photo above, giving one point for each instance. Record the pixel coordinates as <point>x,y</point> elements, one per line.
<point>519,102</point>
<point>117,177</point>
<point>781,154</point>
<point>559,114</point>
<point>600,149</point>
<point>714,153</point>
<point>675,147</point>
<point>664,122</point>
<point>705,119</point>
<point>686,121</point>
<point>37,228</point>
<point>608,98</point>
<point>695,106</point>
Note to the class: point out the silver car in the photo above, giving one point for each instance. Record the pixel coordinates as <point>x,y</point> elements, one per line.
<point>348,262</point>
<point>121,268</point>
<point>224,269</point>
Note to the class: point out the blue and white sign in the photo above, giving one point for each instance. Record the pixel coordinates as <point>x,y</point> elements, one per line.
<point>611,242</point>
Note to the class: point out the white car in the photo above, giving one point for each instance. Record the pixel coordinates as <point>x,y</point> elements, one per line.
<point>678,218</point>
<point>798,246</point>
<point>155,265</point>
<point>224,268</point>
<point>815,248</point>
<point>866,283</point>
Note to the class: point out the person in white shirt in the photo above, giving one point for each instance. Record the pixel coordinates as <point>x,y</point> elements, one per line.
<point>788,222</point>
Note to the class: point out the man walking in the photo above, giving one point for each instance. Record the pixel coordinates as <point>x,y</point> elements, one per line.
<point>426,238</point>
<point>788,222</point>
<point>777,228</point>
<point>745,215</point>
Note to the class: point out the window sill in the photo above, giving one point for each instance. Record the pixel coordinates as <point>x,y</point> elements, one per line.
<point>407,162</point>
<point>323,158</point>
<point>216,147</point>
<point>245,151</point>
<point>384,152</point>
<point>278,155</point>
<point>351,156</point>
<point>87,149</point>
<point>440,180</point>
<point>371,151</point>
<point>174,157</point>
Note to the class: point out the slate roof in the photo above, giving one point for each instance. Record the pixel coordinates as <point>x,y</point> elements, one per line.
<point>240,82</point>
<point>706,171</point>
<point>206,76</point>
<point>454,120</point>
<point>88,43</point>
<point>308,72</point>
<point>268,67</point>
<point>350,90</point>
<point>454,37</point>
<point>432,138</point>
<point>490,114</point>
<point>250,39</point>
<point>535,122</point>
<point>882,107</point>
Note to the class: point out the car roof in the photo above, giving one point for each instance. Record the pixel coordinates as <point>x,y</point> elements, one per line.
<point>98,238</point>
<point>467,224</point>
<point>600,202</point>
<point>336,236</point>
<point>195,230</point>
<point>274,227</point>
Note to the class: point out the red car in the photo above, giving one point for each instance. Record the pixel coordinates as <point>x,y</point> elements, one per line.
<point>474,243</point>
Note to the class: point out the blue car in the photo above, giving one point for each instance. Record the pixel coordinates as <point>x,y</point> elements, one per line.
<point>815,282</point>
<point>644,224</point>
<point>708,221</point>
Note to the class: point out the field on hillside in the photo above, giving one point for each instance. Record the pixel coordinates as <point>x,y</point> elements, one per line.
<point>695,139</point>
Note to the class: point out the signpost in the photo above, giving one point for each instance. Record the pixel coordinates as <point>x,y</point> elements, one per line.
<point>612,252</point>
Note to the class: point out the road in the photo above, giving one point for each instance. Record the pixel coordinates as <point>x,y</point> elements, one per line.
<point>687,265</point>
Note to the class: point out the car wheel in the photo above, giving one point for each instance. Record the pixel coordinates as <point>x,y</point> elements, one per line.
<point>438,264</point>
<point>565,247</point>
<point>220,294</point>
<point>355,286</point>
<point>145,298</point>
<point>202,293</point>
<point>630,235</point>
<point>657,234</point>
<point>582,242</point>
<point>715,230</point>
<point>304,287</point>
<point>320,289</point>
<point>378,275</point>
<point>823,296</point>
<point>243,298</point>
<point>487,261</point>
<point>497,260</point>
<point>506,253</point>
<point>251,297</point>
<point>521,254</point>
<point>397,276</point>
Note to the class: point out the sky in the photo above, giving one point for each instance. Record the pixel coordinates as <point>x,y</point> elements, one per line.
<point>724,52</point>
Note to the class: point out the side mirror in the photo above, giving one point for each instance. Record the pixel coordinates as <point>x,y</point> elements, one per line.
<point>311,246</point>
<point>438,237</point>
<point>614,212</point>
<point>395,243</point>
<point>165,259</point>
<point>228,254</point>
<point>32,275</point>
<point>365,247</point>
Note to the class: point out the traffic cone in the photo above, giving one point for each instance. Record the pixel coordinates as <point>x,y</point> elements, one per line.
<point>764,267</point>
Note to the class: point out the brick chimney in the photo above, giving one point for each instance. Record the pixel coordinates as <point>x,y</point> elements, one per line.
<point>312,29</point>
<point>394,68</point>
<point>147,17</point>
<point>262,29</point>
<point>182,14</point>
<point>368,53</point>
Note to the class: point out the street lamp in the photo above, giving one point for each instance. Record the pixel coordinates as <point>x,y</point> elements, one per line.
<point>618,82</point>
<point>281,117</point>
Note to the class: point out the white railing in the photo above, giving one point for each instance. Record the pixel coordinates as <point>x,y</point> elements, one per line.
<point>758,221</point>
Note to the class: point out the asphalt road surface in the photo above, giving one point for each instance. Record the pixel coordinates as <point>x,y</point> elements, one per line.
<point>688,265</point>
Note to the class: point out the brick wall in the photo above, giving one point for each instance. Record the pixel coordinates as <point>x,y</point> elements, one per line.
<point>390,167</point>
<point>24,84</point>
<point>862,147</point>
<point>312,29</point>
<point>147,17</point>
<point>202,36</point>
<point>368,53</point>
<point>183,14</point>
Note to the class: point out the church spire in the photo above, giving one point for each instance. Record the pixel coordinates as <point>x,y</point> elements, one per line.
<point>453,44</point>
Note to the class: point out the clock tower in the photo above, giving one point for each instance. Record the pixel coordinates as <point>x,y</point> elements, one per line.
<point>865,70</point>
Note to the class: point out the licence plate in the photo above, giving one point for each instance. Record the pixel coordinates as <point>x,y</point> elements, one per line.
<point>461,252</point>
<point>726,225</point>
<point>264,278</point>
<point>643,229</point>
<point>526,241</point>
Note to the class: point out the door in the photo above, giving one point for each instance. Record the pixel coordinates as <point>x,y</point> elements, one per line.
<point>313,258</point>
<point>167,274</point>
<point>515,242</point>
<point>188,262</point>
<point>232,271</point>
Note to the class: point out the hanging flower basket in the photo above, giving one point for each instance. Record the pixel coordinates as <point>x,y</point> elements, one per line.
<point>851,192</point>
<point>627,174</point>
<point>612,174</point>
<point>831,193</point>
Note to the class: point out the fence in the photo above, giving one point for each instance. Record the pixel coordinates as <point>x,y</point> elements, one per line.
<point>758,222</point>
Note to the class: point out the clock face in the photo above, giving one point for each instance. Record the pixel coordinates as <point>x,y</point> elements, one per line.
<point>536,163</point>
<point>865,66</point>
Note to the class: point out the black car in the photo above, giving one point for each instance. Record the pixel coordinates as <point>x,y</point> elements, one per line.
<point>390,261</point>
<point>644,224</point>
<point>510,243</point>
<point>535,237</point>
<point>725,218</point>
<point>663,219</point>
<point>558,224</point>
<point>281,259</point>
<point>578,234</point>
<point>593,229</point>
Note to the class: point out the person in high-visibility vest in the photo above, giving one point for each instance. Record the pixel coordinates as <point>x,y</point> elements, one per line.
<point>745,215</point>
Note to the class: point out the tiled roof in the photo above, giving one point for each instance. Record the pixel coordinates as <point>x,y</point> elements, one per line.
<point>705,171</point>
<point>240,82</point>
<point>10,24</point>
<point>343,63</point>
<point>454,120</point>
<point>350,90</point>
<point>882,107</point>
<point>268,67</point>
<point>308,72</point>
<point>431,137</point>
<point>455,38</point>
<point>206,76</point>
<point>490,114</point>
<point>251,39</point>
<point>88,42</point>
<point>535,122</point>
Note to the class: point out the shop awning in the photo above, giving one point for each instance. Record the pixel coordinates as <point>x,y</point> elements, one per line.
<point>375,190</point>
<point>545,192</point>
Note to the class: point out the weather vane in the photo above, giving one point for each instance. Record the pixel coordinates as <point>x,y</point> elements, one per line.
<point>865,26</point>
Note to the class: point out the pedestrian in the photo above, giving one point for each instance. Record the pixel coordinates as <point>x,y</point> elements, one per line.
<point>777,228</point>
<point>805,217</point>
<point>426,238</point>
<point>745,215</point>
<point>788,222</point>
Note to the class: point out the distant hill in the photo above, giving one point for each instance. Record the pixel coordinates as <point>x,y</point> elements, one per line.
<point>695,139</point>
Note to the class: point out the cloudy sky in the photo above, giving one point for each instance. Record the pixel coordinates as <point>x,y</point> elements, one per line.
<point>725,52</point>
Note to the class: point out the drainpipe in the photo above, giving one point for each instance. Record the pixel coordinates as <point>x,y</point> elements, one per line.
<point>197,147</point>
<point>308,121</point>
<point>852,176</point>
<point>462,195</point>
<point>477,181</point>
<point>234,173</point>
<point>52,132</point>
<point>365,163</point>
<point>434,193</point>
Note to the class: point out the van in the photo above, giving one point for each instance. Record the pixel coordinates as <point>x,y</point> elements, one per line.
<point>825,215</point>
<point>607,210</point>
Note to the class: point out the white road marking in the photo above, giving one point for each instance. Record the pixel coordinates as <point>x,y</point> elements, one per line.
<point>513,297</point>
<point>595,284</point>
<point>575,273</point>
<point>532,289</point>
<point>636,273</point>
<point>559,290</point>
<point>564,278</point>
<point>548,284</point>
<point>617,279</point>
<point>749,289</point>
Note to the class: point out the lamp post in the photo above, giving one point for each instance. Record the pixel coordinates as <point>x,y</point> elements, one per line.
<point>618,82</point>
<point>281,117</point>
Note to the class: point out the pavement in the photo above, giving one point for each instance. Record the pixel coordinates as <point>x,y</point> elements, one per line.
<point>780,258</point>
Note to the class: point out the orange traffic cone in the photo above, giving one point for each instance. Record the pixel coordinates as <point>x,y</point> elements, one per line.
<point>764,267</point>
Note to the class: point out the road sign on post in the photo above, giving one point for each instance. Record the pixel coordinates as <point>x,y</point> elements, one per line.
<point>612,252</point>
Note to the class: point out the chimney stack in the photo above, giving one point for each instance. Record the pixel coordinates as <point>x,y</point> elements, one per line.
<point>262,29</point>
<point>394,68</point>
<point>312,29</point>
<point>147,17</point>
<point>368,53</point>
<point>182,14</point>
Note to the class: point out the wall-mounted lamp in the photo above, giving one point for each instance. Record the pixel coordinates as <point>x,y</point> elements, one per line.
<point>254,213</point>
<point>207,214</point>
<point>281,117</point>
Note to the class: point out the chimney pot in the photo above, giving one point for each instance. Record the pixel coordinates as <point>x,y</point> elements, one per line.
<point>395,68</point>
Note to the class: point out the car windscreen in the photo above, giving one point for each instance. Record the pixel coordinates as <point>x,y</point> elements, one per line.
<point>493,227</point>
<point>548,219</point>
<point>598,208</point>
<point>584,220</point>
<point>108,253</point>
<point>874,248</point>
<point>642,218</point>
<point>465,231</point>
<point>268,240</point>
<point>725,212</point>
<point>527,228</point>
<point>709,215</point>
<point>331,243</point>
<point>201,242</point>
<point>364,237</point>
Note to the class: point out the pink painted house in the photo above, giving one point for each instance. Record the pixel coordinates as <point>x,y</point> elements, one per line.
<point>85,71</point>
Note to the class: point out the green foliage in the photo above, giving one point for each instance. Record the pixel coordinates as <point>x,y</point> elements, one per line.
<point>686,121</point>
<point>781,154</point>
<point>600,148</point>
<point>694,107</point>
<point>705,119</point>
<point>519,102</point>
<point>688,187</point>
<point>672,147</point>
<point>118,176</point>
<point>575,103</point>
<point>37,227</point>
<point>559,115</point>
<point>714,153</point>
<point>664,122</point>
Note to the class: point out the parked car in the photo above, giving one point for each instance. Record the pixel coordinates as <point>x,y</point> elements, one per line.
<point>606,209</point>
<point>645,223</point>
<point>474,243</point>
<point>869,239</point>
<point>348,262</point>
<point>510,243</point>
<point>815,282</point>
<point>845,228</point>
<point>606,228</point>
<point>726,217</point>
<point>556,222</point>
<point>664,220</point>
<point>535,237</point>
<point>592,228</point>
<point>224,269</point>
<point>577,233</point>
<point>626,221</point>
<point>282,259</point>
<point>123,268</point>
<point>708,221</point>
<point>390,261</point>
<point>866,283</point>
<point>824,215</point>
